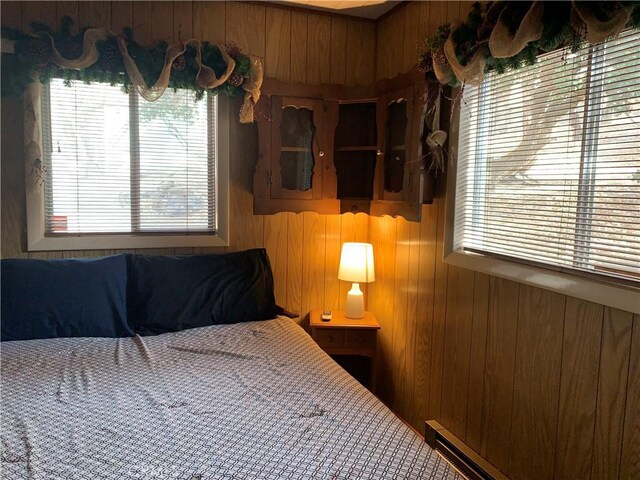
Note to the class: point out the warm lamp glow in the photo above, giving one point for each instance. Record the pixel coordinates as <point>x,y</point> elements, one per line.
<point>356,265</point>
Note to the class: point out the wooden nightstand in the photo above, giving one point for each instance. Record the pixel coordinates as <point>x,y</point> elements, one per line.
<point>343,337</point>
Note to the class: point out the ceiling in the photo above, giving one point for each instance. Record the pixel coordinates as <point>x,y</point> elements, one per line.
<point>359,8</point>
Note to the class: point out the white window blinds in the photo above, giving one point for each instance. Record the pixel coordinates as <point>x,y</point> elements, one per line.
<point>116,163</point>
<point>549,162</point>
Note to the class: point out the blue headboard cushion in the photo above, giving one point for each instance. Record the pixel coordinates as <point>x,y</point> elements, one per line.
<point>168,294</point>
<point>64,298</point>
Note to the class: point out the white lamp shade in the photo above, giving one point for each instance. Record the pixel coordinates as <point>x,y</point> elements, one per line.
<point>356,263</point>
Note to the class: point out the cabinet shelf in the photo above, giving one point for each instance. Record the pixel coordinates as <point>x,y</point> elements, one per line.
<point>295,149</point>
<point>357,149</point>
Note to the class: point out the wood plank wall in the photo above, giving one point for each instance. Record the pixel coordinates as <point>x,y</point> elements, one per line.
<point>296,46</point>
<point>542,385</point>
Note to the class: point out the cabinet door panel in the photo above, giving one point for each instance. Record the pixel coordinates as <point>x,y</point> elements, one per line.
<point>297,135</point>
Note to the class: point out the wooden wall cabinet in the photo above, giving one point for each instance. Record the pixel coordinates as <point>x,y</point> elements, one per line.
<point>335,149</point>
<point>295,171</point>
<point>400,174</point>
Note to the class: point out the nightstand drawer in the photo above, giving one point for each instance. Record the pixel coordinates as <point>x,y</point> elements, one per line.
<point>329,338</point>
<point>360,338</point>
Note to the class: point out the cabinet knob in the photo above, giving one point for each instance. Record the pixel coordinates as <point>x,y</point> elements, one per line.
<point>321,153</point>
<point>379,152</point>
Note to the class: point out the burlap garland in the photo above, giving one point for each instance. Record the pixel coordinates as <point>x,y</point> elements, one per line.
<point>251,86</point>
<point>441,67</point>
<point>473,72</point>
<point>503,45</point>
<point>596,31</point>
<point>205,78</point>
<point>90,54</point>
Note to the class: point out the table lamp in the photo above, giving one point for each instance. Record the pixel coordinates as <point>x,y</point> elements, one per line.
<point>356,265</point>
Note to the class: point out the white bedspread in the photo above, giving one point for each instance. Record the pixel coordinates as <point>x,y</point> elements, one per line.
<point>247,401</point>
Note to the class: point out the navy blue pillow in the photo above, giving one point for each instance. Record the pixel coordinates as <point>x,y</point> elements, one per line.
<point>168,294</point>
<point>64,298</point>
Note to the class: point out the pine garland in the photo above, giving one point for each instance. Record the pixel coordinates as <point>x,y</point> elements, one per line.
<point>32,51</point>
<point>558,32</point>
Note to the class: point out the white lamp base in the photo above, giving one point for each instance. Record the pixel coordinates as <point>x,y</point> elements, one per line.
<point>355,302</point>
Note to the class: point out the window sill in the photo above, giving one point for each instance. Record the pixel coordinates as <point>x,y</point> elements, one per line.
<point>115,242</point>
<point>612,295</point>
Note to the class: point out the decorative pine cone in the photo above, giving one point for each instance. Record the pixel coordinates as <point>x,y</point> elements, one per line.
<point>232,49</point>
<point>70,50</point>
<point>425,64</point>
<point>179,64</point>
<point>36,51</point>
<point>235,79</point>
<point>110,57</point>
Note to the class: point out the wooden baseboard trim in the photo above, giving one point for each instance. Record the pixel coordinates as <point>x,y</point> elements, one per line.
<point>459,454</point>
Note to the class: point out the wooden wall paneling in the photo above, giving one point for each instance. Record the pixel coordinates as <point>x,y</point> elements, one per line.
<point>360,66</point>
<point>413,46</point>
<point>295,229</point>
<point>453,11</point>
<point>400,279</point>
<point>245,25</point>
<point>275,241</point>
<point>502,321</point>
<point>411,319</point>
<point>384,48</point>
<point>44,12</point>
<point>383,237</point>
<point>424,315</point>
<point>121,15</point>
<point>246,229</point>
<point>142,26</point>
<point>630,461</point>
<point>298,46</point>
<point>457,347</point>
<point>318,48</point>
<point>332,262</point>
<point>209,21</point>
<point>536,387</point>
<point>313,259</point>
<point>612,394</point>
<point>578,386</point>
<point>477,357</point>
<point>162,21</point>
<point>390,57</point>
<point>94,14</point>
<point>12,188</point>
<point>437,15</point>
<point>339,50</point>
<point>183,21</point>
<point>11,14</point>
<point>439,312</point>
<point>72,9</point>
<point>423,22</point>
<point>278,44</point>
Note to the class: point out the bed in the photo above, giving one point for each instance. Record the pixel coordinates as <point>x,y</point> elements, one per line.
<point>250,400</point>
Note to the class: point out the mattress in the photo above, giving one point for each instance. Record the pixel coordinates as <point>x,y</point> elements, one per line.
<point>256,400</point>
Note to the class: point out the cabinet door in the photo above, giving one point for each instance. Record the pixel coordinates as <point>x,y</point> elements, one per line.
<point>297,137</point>
<point>395,136</point>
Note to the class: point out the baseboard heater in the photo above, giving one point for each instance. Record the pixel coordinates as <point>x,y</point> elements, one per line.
<point>459,454</point>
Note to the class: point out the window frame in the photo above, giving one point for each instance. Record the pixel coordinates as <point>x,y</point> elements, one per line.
<point>596,288</point>
<point>38,240</point>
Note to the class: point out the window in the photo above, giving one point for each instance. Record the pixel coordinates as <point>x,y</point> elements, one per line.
<point>549,162</point>
<point>119,167</point>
